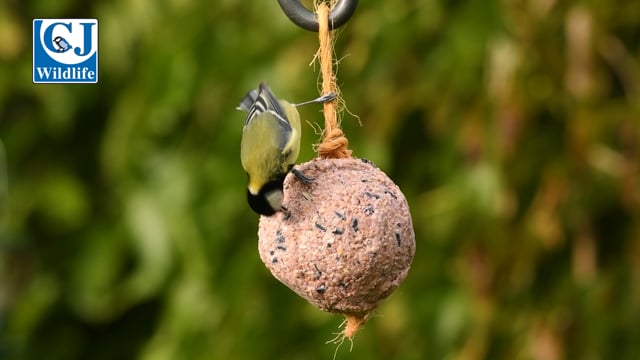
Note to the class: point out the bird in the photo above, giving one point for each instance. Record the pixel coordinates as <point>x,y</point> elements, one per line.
<point>61,44</point>
<point>270,146</point>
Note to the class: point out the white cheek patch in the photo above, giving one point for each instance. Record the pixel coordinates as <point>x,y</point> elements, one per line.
<point>274,198</point>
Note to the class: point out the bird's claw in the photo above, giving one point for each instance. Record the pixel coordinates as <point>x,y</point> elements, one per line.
<point>302,177</point>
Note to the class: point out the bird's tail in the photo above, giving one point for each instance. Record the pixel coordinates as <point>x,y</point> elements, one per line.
<point>248,100</point>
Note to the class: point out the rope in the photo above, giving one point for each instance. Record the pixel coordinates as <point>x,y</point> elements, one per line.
<point>334,142</point>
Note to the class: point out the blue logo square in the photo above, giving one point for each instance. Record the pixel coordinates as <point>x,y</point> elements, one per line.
<point>65,51</point>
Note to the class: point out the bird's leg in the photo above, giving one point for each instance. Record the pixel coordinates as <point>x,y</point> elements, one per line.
<point>286,212</point>
<point>322,99</point>
<point>302,177</point>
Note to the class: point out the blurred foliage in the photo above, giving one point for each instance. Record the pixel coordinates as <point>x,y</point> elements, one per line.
<point>511,126</point>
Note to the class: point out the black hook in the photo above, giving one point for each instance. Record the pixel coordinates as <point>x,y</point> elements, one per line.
<point>304,18</point>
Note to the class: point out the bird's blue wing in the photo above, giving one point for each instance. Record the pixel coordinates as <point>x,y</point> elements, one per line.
<point>273,106</point>
<point>262,100</point>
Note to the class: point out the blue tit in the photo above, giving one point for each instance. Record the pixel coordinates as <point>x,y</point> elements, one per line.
<point>61,44</point>
<point>270,147</point>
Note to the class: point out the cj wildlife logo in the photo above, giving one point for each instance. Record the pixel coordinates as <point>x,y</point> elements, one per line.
<point>65,51</point>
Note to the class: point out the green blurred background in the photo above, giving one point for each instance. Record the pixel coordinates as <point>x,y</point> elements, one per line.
<point>511,126</point>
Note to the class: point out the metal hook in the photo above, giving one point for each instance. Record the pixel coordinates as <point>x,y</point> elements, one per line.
<point>304,18</point>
